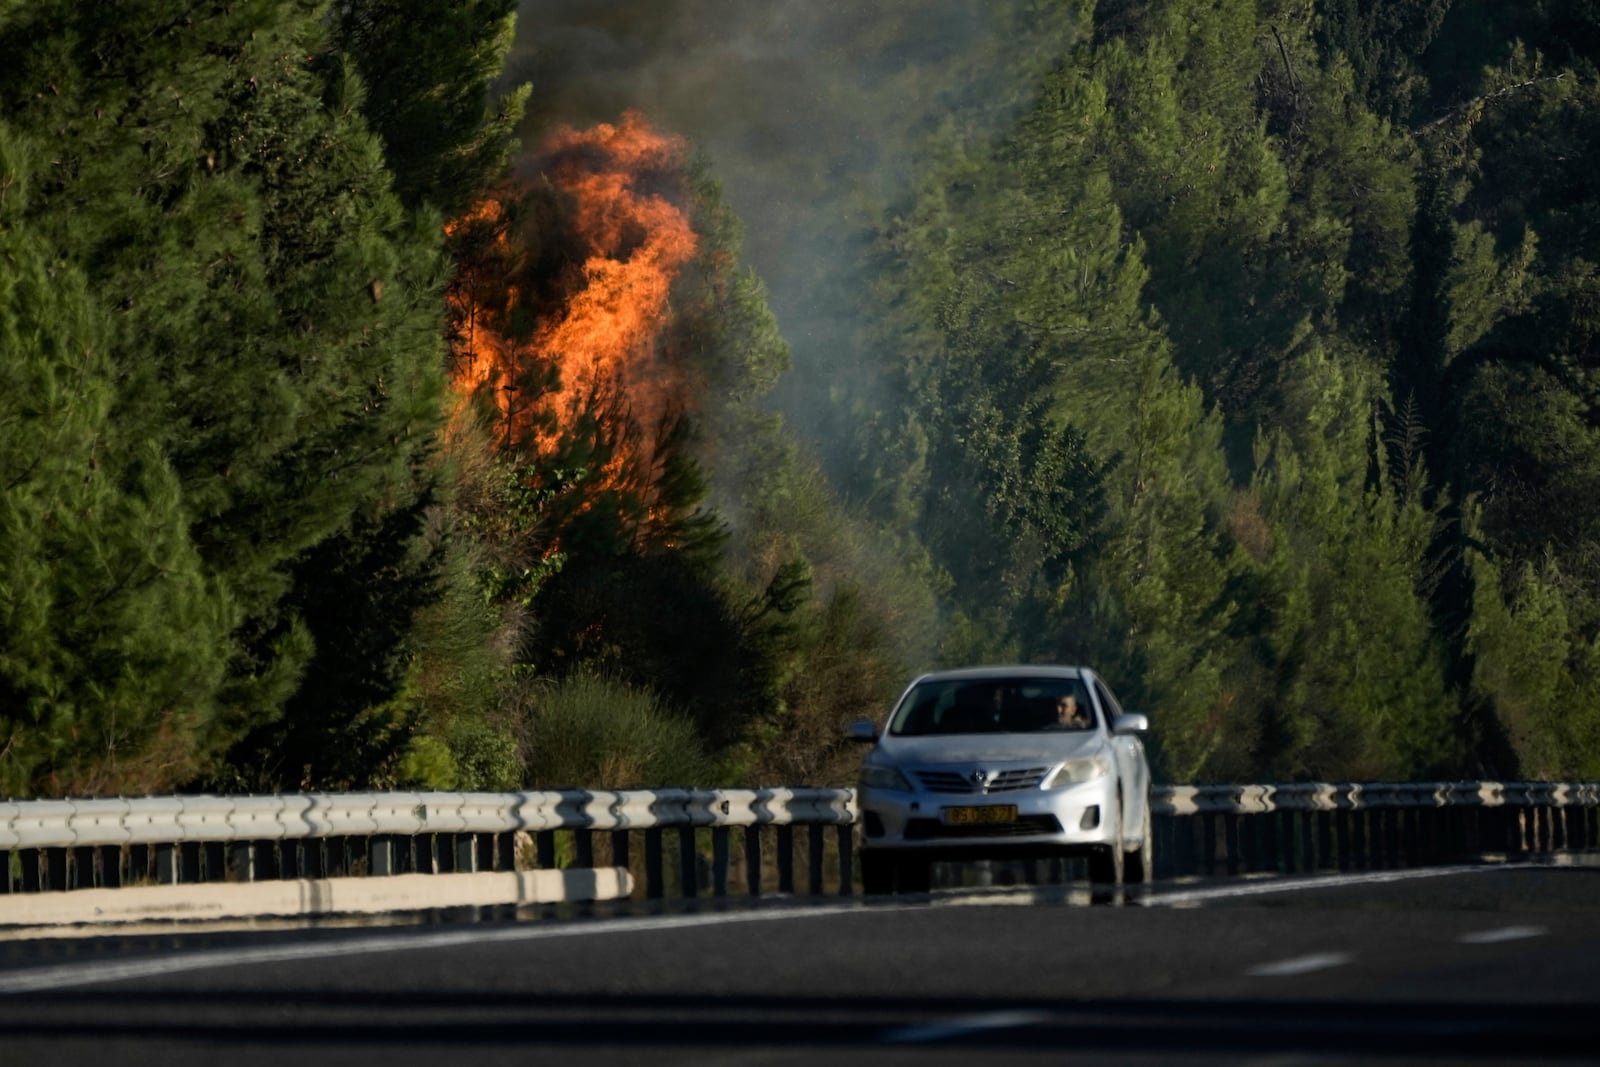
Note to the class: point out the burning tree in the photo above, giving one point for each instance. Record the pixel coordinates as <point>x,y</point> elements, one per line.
<point>561,313</point>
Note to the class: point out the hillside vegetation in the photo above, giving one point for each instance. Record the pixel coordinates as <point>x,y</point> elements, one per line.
<point>367,422</point>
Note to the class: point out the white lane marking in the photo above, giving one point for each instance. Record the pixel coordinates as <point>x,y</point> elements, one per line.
<point>1502,934</point>
<point>970,1024</point>
<point>102,971</point>
<point>1317,961</point>
<point>1191,897</point>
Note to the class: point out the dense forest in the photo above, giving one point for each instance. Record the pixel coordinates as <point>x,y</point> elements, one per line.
<point>433,393</point>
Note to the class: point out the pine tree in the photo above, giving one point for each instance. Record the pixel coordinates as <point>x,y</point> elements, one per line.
<point>111,630</point>
<point>273,318</point>
<point>426,72</point>
<point>1361,687</point>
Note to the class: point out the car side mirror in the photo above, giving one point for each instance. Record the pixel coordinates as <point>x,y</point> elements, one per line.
<point>1130,722</point>
<point>864,732</point>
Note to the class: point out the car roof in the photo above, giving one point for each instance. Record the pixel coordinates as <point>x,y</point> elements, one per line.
<point>1002,671</point>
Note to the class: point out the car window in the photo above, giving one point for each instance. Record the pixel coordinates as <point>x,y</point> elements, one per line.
<point>993,705</point>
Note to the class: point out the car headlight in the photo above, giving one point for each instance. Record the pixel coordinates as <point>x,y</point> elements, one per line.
<point>1078,770</point>
<point>880,777</point>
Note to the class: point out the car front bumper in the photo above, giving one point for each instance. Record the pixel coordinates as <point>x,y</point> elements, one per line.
<point>1075,818</point>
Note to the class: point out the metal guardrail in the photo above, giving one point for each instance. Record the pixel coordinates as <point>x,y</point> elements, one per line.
<point>1221,829</point>
<point>1314,826</point>
<point>1357,796</point>
<point>111,842</point>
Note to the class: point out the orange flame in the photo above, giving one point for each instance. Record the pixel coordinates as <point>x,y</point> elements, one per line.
<point>602,335</point>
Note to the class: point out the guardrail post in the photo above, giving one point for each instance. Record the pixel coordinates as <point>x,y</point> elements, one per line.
<point>719,861</point>
<point>846,838</point>
<point>1230,831</point>
<point>752,860</point>
<point>544,846</point>
<point>505,851</point>
<point>1208,842</point>
<point>189,859</point>
<point>688,863</point>
<point>483,851</point>
<point>1512,832</point>
<point>5,870</point>
<point>583,849</point>
<point>785,848</point>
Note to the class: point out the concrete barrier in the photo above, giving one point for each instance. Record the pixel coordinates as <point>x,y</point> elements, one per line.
<point>304,898</point>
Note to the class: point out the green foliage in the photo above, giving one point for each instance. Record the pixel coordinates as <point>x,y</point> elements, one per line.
<point>1347,563</point>
<point>591,732</point>
<point>268,326</point>
<point>425,75</point>
<point>1244,350</point>
<point>1533,661</point>
<point>110,627</point>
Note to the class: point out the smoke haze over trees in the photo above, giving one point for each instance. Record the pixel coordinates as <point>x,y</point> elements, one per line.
<point>476,395</point>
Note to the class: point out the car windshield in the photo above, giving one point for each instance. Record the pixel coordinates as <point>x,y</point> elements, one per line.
<point>992,706</point>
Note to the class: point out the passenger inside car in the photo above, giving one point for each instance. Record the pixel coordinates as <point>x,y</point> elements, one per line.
<point>1070,715</point>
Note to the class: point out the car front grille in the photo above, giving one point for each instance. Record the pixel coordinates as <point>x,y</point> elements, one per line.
<point>962,782</point>
<point>1025,826</point>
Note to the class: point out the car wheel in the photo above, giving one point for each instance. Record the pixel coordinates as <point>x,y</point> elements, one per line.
<point>1105,862</point>
<point>877,874</point>
<point>1140,865</point>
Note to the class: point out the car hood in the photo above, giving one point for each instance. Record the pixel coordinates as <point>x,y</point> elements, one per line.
<point>1033,748</point>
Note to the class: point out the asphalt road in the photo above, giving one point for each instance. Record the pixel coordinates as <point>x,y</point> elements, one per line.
<point>1470,966</point>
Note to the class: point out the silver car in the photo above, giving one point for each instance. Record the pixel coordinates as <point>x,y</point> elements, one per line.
<point>1004,763</point>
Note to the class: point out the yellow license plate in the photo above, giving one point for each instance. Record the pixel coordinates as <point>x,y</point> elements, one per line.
<point>988,813</point>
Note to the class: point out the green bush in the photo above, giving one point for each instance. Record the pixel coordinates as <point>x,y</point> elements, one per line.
<point>592,732</point>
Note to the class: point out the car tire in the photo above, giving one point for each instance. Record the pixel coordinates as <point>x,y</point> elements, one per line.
<point>1105,865</point>
<point>1139,865</point>
<point>1105,862</point>
<point>877,874</point>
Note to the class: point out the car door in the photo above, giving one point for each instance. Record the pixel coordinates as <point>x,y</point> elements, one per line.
<point>1133,770</point>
